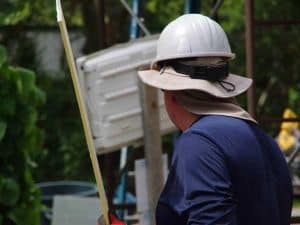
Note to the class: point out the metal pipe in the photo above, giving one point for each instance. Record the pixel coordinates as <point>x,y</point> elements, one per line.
<point>133,32</point>
<point>215,9</point>
<point>277,120</point>
<point>293,155</point>
<point>249,21</point>
<point>138,20</point>
<point>268,23</point>
<point>192,6</point>
<point>121,189</point>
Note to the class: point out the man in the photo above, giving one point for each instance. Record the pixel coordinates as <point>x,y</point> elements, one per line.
<point>225,169</point>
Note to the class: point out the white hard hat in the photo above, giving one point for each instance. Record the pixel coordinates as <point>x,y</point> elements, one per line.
<point>195,47</point>
<point>192,35</point>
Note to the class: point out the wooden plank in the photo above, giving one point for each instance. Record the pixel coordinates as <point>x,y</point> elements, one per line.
<point>152,144</point>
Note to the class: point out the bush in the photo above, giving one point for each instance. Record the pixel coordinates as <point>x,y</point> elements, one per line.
<point>20,140</point>
<point>65,155</point>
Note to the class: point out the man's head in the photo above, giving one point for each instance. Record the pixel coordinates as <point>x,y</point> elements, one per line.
<point>178,114</point>
<point>198,39</point>
<point>193,53</point>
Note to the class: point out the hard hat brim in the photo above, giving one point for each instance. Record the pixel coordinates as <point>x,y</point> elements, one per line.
<point>169,79</point>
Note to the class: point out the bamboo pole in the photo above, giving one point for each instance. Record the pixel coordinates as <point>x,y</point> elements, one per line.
<point>83,111</point>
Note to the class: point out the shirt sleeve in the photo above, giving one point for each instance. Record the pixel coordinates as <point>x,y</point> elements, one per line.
<point>205,182</point>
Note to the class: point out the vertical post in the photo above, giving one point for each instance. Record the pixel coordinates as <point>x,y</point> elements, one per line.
<point>192,6</point>
<point>123,183</point>
<point>249,20</point>
<point>152,143</point>
<point>121,189</point>
<point>100,23</point>
<point>133,24</point>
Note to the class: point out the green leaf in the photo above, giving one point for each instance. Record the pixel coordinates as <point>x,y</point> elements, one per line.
<point>39,96</point>
<point>14,12</point>
<point>19,86</point>
<point>24,80</point>
<point>27,78</point>
<point>3,127</point>
<point>3,56</point>
<point>7,106</point>
<point>9,192</point>
<point>21,215</point>
<point>4,72</point>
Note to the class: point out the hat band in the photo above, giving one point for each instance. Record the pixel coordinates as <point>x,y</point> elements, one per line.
<point>204,72</point>
<point>212,73</point>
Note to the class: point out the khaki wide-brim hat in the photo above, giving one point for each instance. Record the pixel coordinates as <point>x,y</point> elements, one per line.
<point>169,79</point>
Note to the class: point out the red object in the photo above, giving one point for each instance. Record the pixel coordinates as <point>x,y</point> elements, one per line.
<point>115,221</point>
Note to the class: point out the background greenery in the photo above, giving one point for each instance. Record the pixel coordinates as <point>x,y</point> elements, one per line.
<point>20,141</point>
<point>61,152</point>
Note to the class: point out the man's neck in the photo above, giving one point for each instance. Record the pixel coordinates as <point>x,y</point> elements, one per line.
<point>187,121</point>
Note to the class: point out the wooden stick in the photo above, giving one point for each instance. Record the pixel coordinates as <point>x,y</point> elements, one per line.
<point>83,111</point>
<point>153,147</point>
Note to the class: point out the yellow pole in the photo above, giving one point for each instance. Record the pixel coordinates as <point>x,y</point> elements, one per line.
<point>83,111</point>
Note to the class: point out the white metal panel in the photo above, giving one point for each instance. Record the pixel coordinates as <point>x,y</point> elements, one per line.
<point>141,187</point>
<point>109,82</point>
<point>72,210</point>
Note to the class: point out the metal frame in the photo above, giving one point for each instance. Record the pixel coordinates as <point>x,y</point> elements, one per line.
<point>251,23</point>
<point>138,20</point>
<point>192,6</point>
<point>214,11</point>
<point>251,98</point>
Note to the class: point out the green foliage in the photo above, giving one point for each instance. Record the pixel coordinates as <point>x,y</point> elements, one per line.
<point>277,51</point>
<point>9,192</point>
<point>3,57</point>
<point>13,11</point>
<point>20,139</point>
<point>35,12</point>
<point>161,12</point>
<point>65,156</point>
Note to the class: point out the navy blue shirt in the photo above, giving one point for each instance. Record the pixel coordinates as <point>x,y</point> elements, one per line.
<point>226,171</point>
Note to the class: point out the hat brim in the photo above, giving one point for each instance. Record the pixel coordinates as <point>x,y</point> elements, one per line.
<point>171,80</point>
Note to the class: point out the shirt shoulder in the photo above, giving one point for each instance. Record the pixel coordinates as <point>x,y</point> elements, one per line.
<point>218,124</point>
<point>211,133</point>
<point>195,144</point>
<point>224,131</point>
